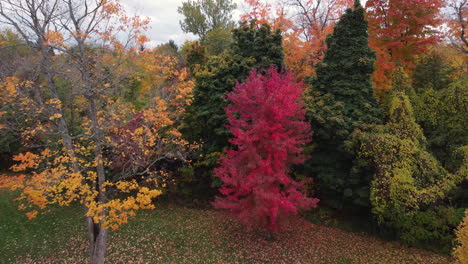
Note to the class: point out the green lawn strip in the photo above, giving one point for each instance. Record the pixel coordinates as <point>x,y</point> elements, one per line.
<point>175,234</point>
<point>45,235</point>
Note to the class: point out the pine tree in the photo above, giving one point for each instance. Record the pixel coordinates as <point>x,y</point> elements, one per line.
<point>269,131</point>
<point>342,101</point>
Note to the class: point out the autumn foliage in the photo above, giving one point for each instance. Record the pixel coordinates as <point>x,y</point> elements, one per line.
<point>269,130</point>
<point>461,251</point>
<point>399,30</point>
<point>305,26</point>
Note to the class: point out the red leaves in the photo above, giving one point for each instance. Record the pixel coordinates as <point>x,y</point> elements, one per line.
<point>269,130</point>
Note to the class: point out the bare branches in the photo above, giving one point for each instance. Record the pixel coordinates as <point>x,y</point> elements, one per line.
<point>458,13</point>
<point>315,16</point>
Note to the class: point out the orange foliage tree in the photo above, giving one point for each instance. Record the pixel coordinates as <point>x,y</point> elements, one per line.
<point>89,145</point>
<point>305,25</point>
<point>399,30</point>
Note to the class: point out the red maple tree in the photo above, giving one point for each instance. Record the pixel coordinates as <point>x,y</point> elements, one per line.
<point>269,131</point>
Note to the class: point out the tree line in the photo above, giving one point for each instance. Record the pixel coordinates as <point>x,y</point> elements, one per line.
<point>361,108</point>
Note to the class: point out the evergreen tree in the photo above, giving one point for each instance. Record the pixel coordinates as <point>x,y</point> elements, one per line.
<point>205,120</point>
<point>432,71</point>
<point>253,47</point>
<point>342,101</point>
<point>195,56</point>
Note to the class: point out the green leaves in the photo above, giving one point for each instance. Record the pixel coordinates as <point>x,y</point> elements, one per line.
<point>203,16</point>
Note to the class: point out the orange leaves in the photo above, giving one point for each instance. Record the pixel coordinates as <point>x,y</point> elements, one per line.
<point>32,214</point>
<point>147,137</point>
<point>10,94</point>
<point>157,72</point>
<point>305,25</point>
<point>54,38</point>
<point>27,160</point>
<point>398,31</point>
<point>111,7</point>
<point>11,182</point>
<point>9,88</point>
<point>20,112</point>
<point>259,11</point>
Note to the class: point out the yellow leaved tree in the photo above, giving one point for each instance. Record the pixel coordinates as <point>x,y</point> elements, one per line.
<point>461,251</point>
<point>82,143</point>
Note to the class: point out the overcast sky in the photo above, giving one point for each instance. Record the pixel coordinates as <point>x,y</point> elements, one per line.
<point>164,19</point>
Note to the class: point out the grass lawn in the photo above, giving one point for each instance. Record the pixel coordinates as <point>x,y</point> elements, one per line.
<point>174,234</point>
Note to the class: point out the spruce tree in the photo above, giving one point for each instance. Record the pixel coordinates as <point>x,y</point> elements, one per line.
<point>340,102</point>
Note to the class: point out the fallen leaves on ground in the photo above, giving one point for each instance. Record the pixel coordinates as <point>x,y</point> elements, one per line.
<point>172,234</point>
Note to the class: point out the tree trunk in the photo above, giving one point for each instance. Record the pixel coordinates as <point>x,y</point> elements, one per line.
<point>97,244</point>
<point>96,232</point>
<point>269,236</point>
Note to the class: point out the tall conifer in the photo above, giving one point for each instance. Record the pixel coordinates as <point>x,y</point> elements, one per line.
<point>341,101</point>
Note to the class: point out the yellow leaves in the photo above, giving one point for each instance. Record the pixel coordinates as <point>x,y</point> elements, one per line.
<point>117,211</point>
<point>139,131</point>
<point>55,116</point>
<point>51,182</point>
<point>126,186</point>
<point>144,197</point>
<point>57,183</point>
<point>461,250</point>
<point>55,103</point>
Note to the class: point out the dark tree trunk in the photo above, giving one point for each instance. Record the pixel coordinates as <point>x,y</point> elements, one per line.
<point>98,241</point>
<point>269,236</point>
